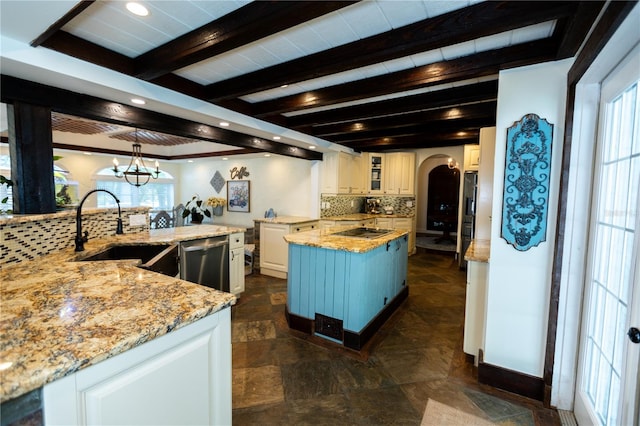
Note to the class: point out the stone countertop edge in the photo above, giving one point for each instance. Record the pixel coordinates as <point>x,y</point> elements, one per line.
<point>286,220</point>
<point>59,316</point>
<point>478,251</point>
<point>322,239</point>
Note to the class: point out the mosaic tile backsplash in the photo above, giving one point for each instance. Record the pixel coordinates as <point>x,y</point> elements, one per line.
<point>341,204</point>
<point>22,238</point>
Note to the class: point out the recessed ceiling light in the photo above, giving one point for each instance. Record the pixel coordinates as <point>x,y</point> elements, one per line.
<point>138,101</point>
<point>137,9</point>
<point>224,124</point>
<point>189,161</point>
<point>267,155</point>
<point>312,147</point>
<point>87,153</point>
<point>276,138</point>
<point>225,158</point>
<point>284,86</point>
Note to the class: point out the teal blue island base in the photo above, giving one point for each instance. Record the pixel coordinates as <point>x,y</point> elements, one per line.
<point>345,296</point>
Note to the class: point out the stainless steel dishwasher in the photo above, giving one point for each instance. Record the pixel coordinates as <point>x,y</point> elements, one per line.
<point>206,262</point>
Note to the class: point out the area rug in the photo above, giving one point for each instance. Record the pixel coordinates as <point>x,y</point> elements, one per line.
<point>437,414</point>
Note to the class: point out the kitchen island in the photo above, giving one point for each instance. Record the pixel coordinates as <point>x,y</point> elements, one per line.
<point>108,342</point>
<point>344,287</point>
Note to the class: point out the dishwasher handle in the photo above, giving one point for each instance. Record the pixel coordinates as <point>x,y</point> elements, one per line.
<point>204,247</point>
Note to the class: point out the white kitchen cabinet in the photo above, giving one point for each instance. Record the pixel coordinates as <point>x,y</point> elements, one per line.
<point>274,250</point>
<point>474,317</point>
<point>236,263</point>
<point>400,223</point>
<point>336,173</point>
<point>399,174</point>
<point>471,157</point>
<point>358,175</point>
<point>180,378</point>
<point>375,173</point>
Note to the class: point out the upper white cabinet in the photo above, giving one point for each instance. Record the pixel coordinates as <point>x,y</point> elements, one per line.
<point>369,173</point>
<point>399,175</point>
<point>341,174</point>
<point>375,173</point>
<point>471,157</point>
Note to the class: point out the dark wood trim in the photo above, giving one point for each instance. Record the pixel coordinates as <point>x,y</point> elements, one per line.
<point>56,26</point>
<point>473,66</point>
<point>31,155</point>
<point>80,105</point>
<point>454,27</point>
<point>245,25</point>
<point>481,92</point>
<point>614,14</point>
<point>611,19</point>
<point>297,322</point>
<point>68,147</point>
<point>356,341</point>
<point>509,380</point>
<point>352,340</point>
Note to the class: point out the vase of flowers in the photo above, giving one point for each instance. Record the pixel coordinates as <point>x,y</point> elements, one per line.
<point>194,207</point>
<point>216,204</point>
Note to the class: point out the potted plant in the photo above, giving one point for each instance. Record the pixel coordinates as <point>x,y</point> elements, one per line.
<point>195,209</point>
<point>217,204</point>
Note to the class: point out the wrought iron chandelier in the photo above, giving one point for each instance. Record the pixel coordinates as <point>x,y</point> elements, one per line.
<point>137,173</point>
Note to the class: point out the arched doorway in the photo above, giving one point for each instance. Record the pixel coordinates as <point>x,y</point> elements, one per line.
<point>442,202</point>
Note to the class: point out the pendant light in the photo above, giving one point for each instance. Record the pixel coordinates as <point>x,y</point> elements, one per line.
<point>137,173</point>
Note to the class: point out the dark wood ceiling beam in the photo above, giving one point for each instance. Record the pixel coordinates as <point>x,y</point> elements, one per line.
<point>57,26</point>
<point>77,47</point>
<point>415,142</point>
<point>425,130</point>
<point>577,27</point>
<point>438,99</point>
<point>486,112</point>
<point>472,66</point>
<point>245,25</point>
<point>465,24</point>
<point>80,105</point>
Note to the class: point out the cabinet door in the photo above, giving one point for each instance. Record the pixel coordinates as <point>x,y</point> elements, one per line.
<point>384,222</point>
<point>400,173</point>
<point>344,173</point>
<point>376,168</point>
<point>406,224</point>
<point>183,377</point>
<point>329,173</point>
<point>236,271</point>
<point>358,175</point>
<point>273,248</point>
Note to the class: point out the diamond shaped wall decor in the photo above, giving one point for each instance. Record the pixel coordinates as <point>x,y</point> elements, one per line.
<point>217,181</point>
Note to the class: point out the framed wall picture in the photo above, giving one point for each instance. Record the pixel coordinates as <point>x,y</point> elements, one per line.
<point>238,196</point>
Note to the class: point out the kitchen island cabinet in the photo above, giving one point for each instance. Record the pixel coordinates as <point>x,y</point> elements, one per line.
<point>274,257</point>
<point>344,288</point>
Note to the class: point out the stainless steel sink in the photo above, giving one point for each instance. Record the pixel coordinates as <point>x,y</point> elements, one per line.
<point>158,258</point>
<point>366,233</point>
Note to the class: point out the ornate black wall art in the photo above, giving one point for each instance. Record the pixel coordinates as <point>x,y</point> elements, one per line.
<point>525,201</point>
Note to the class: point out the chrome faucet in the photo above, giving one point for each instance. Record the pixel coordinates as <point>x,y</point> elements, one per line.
<point>80,238</point>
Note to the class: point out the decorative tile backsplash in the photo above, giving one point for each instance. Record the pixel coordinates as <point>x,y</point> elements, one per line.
<point>336,205</point>
<point>25,238</point>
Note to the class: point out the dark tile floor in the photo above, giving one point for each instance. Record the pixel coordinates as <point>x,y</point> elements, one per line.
<point>281,377</point>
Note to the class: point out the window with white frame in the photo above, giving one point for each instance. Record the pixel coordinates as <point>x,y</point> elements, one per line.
<point>157,194</point>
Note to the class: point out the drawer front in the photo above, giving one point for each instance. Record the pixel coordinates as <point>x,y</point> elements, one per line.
<point>236,240</point>
<point>304,227</point>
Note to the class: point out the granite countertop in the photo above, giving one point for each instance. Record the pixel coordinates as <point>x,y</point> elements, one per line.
<point>286,220</point>
<point>59,316</point>
<point>324,239</point>
<point>478,251</point>
<point>363,216</point>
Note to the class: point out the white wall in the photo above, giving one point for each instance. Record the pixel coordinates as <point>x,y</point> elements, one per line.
<point>519,282</point>
<point>282,183</point>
